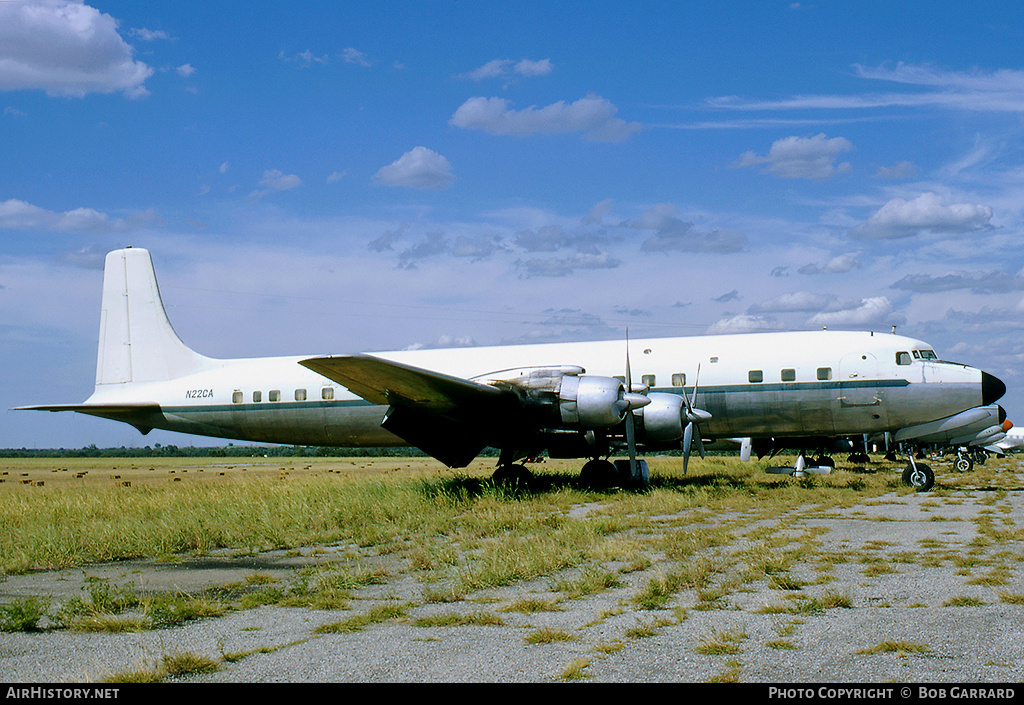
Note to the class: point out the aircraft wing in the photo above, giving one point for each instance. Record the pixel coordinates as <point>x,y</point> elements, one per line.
<point>450,418</point>
<point>380,381</point>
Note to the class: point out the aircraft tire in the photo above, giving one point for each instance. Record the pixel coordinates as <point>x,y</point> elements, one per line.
<point>963,463</point>
<point>920,478</point>
<point>598,474</point>
<point>513,477</point>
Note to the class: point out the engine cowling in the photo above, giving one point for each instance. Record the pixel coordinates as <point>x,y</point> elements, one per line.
<point>592,401</point>
<point>664,419</point>
<point>579,400</point>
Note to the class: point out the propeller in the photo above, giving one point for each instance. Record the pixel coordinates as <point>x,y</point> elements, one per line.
<point>632,401</point>
<point>693,418</point>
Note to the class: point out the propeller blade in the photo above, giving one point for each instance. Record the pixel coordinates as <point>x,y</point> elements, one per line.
<point>631,442</point>
<point>630,419</point>
<point>687,442</point>
<point>696,382</point>
<point>693,417</point>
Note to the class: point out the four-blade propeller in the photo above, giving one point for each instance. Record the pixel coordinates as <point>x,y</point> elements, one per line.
<point>635,400</point>
<point>694,417</point>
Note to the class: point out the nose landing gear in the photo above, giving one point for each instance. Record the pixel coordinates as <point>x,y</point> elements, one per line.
<point>918,475</point>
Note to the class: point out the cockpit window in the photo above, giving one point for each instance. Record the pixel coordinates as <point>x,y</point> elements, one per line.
<point>903,358</point>
<point>927,354</point>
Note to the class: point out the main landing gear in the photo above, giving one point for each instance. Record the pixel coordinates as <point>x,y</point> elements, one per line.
<point>598,473</point>
<point>513,476</point>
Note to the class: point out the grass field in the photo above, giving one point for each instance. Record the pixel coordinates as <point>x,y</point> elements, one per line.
<point>61,513</point>
<point>727,539</point>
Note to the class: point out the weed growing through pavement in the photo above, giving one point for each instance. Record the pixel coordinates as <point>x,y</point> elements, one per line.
<point>23,615</point>
<point>896,647</point>
<point>721,643</point>
<point>547,635</point>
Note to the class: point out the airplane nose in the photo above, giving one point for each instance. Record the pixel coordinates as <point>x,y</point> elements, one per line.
<point>992,388</point>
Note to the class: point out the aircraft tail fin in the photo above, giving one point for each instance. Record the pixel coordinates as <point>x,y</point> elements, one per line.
<point>137,343</point>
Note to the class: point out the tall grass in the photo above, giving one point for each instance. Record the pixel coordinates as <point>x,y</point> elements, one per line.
<point>452,524</point>
<point>75,525</point>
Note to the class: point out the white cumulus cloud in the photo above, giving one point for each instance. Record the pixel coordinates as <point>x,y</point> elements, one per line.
<point>418,168</point>
<point>876,310</point>
<point>20,215</point>
<point>927,213</point>
<point>504,68</point>
<point>275,180</point>
<point>593,116</point>
<point>66,49</point>
<point>801,157</point>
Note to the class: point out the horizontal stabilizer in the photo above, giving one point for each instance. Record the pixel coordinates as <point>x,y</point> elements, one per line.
<point>380,381</point>
<point>137,414</point>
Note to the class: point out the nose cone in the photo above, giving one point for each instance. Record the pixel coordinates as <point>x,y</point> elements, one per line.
<point>992,388</point>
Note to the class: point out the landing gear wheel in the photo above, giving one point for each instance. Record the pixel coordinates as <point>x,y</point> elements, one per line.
<point>513,477</point>
<point>825,461</point>
<point>919,476</point>
<point>598,474</point>
<point>963,462</point>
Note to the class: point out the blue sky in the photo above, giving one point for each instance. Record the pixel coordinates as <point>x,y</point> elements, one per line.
<point>329,177</point>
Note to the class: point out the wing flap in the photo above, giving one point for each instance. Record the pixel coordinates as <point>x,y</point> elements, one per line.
<point>380,381</point>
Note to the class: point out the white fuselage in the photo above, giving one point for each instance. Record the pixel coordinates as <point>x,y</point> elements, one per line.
<point>821,383</point>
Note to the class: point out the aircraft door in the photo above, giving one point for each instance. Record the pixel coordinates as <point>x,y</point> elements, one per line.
<point>861,400</point>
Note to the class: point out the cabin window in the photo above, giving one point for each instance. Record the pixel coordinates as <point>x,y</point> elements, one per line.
<point>236,397</point>
<point>679,379</point>
<point>300,395</point>
<point>275,395</point>
<point>327,393</point>
<point>789,375</point>
<point>647,380</point>
<point>824,373</point>
<point>903,358</point>
<point>257,396</point>
<point>755,376</point>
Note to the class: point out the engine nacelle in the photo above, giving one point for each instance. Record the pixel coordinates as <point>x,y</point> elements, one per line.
<point>664,419</point>
<point>591,401</point>
<point>992,434</point>
<point>957,429</point>
<point>583,401</point>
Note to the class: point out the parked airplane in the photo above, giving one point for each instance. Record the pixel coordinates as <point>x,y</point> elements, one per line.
<point>1012,442</point>
<point>968,434</point>
<point>571,399</point>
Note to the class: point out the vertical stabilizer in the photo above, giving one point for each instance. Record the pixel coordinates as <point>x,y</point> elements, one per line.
<point>137,342</point>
